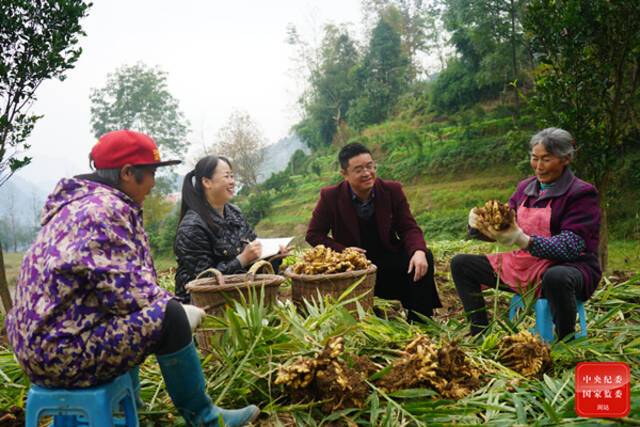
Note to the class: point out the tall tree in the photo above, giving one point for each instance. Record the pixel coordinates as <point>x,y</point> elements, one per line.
<point>242,141</point>
<point>382,77</point>
<point>296,162</point>
<point>39,41</point>
<point>4,232</point>
<point>417,23</point>
<point>588,81</point>
<point>331,90</point>
<point>136,97</point>
<point>12,218</point>
<point>488,36</point>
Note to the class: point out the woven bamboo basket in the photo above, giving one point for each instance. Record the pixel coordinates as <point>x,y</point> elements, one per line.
<point>213,293</point>
<point>307,286</point>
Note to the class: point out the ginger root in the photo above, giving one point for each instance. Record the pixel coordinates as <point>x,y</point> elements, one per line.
<point>323,260</point>
<point>525,353</point>
<point>496,215</point>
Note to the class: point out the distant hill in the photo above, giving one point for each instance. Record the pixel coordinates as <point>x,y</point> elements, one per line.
<point>277,155</point>
<point>276,159</point>
<point>21,198</point>
<point>20,206</point>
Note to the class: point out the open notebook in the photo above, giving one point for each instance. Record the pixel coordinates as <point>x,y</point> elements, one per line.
<point>271,247</point>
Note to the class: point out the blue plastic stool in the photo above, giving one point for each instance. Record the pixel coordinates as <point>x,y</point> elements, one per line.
<point>91,406</point>
<point>544,319</point>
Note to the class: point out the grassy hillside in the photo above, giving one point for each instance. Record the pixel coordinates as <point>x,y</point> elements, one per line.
<point>12,262</point>
<point>447,165</point>
<point>440,207</point>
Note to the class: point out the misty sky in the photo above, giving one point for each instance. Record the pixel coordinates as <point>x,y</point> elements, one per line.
<point>219,56</point>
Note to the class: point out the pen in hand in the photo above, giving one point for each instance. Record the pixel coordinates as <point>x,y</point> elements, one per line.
<point>250,252</point>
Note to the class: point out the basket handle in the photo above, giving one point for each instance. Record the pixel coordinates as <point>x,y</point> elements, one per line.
<point>216,274</point>
<point>277,257</point>
<point>251,274</point>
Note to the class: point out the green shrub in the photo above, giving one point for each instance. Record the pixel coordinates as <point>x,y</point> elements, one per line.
<point>457,87</point>
<point>167,233</point>
<point>278,181</point>
<point>441,226</point>
<point>256,206</point>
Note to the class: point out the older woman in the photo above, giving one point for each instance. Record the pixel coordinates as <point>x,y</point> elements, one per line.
<point>556,229</point>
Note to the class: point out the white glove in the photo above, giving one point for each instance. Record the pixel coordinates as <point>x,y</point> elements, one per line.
<point>195,315</point>
<point>474,219</point>
<point>511,236</point>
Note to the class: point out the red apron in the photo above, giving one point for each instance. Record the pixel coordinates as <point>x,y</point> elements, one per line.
<point>519,269</point>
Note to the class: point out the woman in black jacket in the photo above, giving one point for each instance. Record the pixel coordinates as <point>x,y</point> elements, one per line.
<point>212,231</point>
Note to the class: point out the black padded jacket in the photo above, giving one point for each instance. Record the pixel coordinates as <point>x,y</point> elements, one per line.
<point>198,248</point>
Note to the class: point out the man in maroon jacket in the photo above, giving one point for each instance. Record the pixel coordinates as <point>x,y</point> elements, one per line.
<point>372,216</point>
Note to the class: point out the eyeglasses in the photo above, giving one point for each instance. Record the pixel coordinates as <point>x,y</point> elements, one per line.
<point>360,170</point>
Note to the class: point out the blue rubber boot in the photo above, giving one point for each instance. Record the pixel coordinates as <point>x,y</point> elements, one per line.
<point>184,379</point>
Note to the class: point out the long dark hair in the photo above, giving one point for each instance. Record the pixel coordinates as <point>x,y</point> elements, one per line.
<point>193,194</point>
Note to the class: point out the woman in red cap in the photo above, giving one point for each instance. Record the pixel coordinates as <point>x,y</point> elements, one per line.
<point>88,308</point>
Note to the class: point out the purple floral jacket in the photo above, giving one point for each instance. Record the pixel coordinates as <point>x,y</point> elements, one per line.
<point>87,305</point>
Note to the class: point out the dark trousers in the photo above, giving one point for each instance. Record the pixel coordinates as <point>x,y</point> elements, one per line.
<point>393,282</point>
<point>560,286</point>
<point>176,332</point>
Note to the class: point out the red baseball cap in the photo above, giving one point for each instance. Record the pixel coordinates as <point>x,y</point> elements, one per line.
<point>120,147</point>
